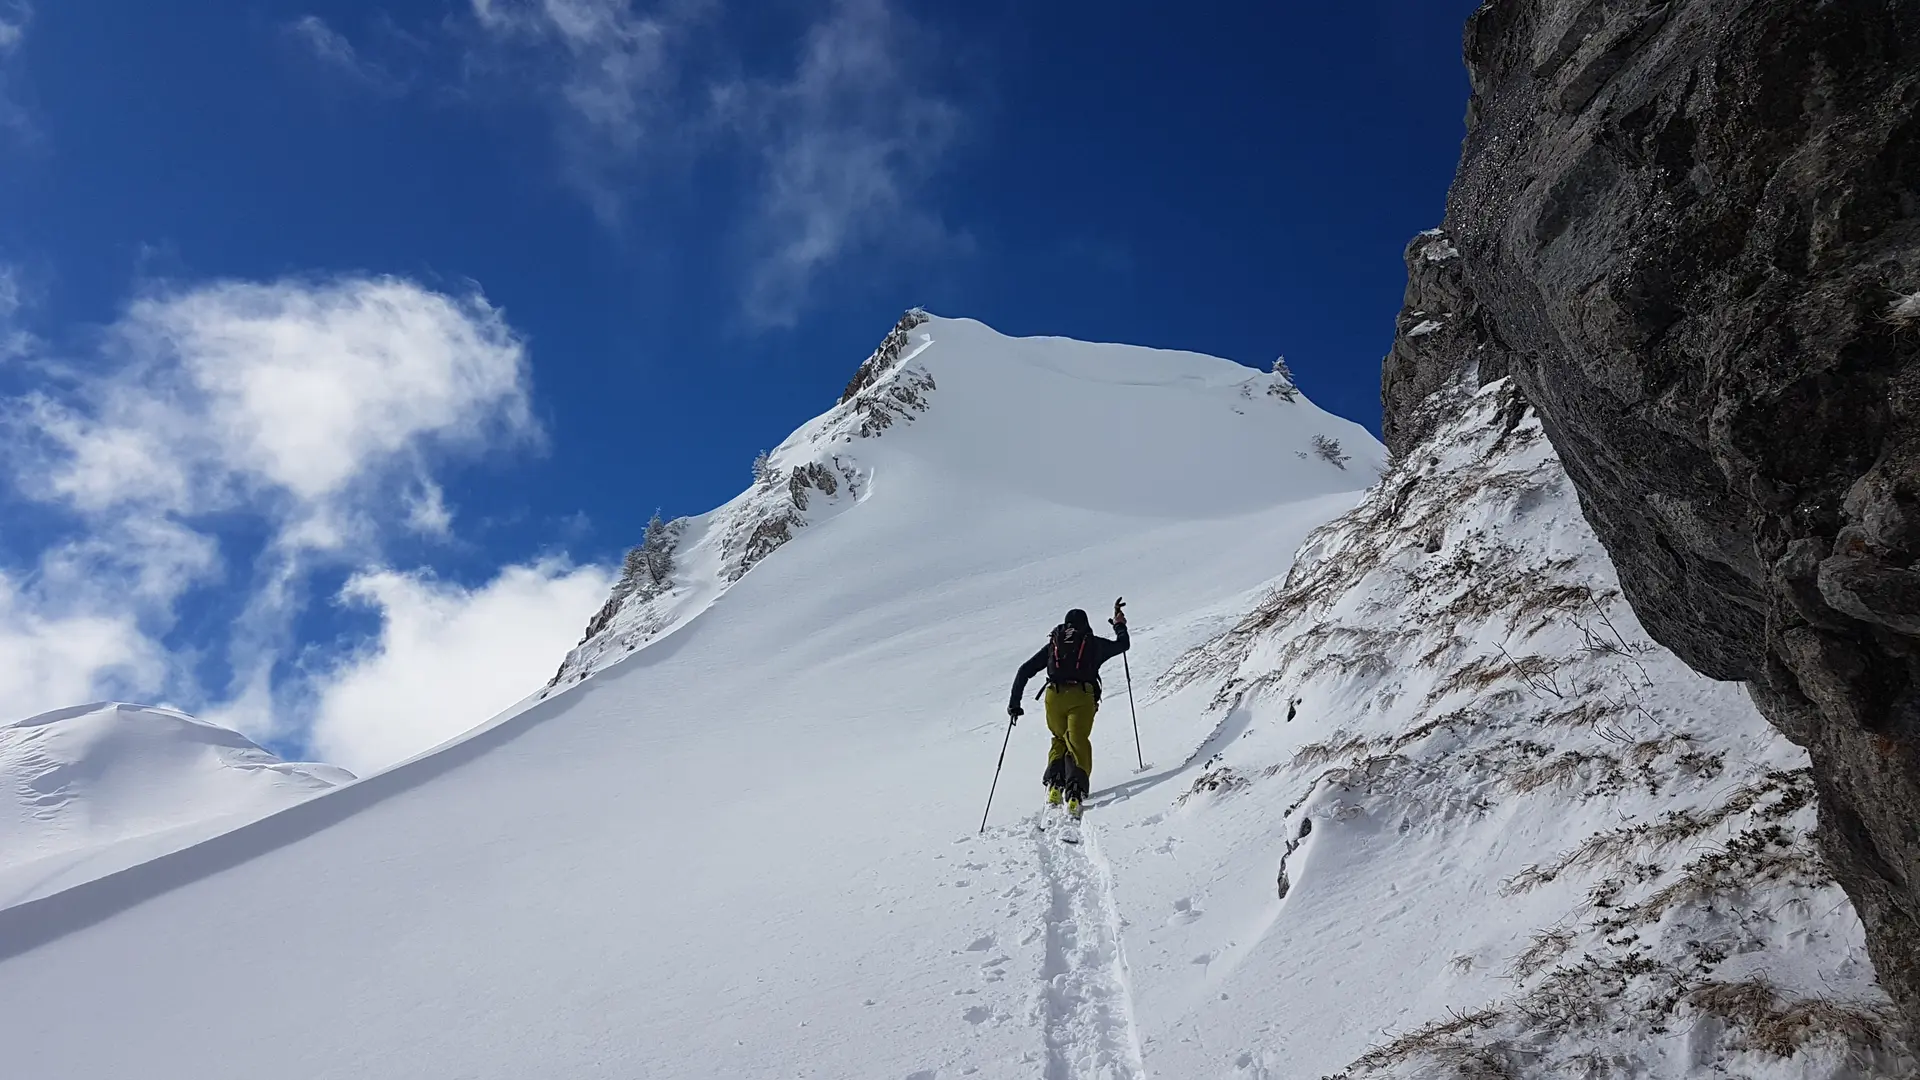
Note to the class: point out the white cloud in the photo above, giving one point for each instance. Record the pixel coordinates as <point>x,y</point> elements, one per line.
<point>312,413</point>
<point>300,395</point>
<point>447,657</point>
<point>51,657</point>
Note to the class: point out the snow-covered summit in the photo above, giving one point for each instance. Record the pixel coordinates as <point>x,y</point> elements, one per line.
<point>951,409</point>
<point>96,788</point>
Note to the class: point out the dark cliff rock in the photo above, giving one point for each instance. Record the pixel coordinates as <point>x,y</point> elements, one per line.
<point>1440,333</point>
<point>1696,226</point>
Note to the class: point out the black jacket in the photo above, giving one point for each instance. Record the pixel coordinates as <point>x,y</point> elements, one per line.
<point>1102,648</point>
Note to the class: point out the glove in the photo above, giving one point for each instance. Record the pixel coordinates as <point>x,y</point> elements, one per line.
<point>1016,712</point>
<point>1119,613</point>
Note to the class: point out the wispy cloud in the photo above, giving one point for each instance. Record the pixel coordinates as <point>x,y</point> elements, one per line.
<point>616,76</point>
<point>13,25</point>
<point>842,137</point>
<point>15,340</point>
<point>848,143</point>
<point>15,18</point>
<point>337,55</point>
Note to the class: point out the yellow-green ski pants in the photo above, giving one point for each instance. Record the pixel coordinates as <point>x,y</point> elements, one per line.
<point>1070,712</point>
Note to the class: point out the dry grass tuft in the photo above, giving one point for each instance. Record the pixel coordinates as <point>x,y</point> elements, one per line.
<point>1341,747</point>
<point>1560,771</point>
<point>1759,856</point>
<point>1222,780</point>
<point>1904,311</point>
<point>1783,1027</point>
<point>1794,789</point>
<point>1441,1037</point>
<point>1548,947</point>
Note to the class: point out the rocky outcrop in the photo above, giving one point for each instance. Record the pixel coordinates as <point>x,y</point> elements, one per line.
<point>1695,224</point>
<point>1440,334</point>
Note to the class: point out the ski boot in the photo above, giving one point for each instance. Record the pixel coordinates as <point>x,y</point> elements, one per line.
<point>1054,795</point>
<point>1073,808</point>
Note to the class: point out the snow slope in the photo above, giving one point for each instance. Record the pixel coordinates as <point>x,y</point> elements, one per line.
<point>1425,803</point>
<point>1462,818</point>
<point>98,788</point>
<point>746,850</point>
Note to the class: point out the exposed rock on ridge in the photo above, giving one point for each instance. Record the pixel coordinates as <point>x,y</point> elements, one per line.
<point>1696,225</point>
<point>1441,332</point>
<point>814,474</point>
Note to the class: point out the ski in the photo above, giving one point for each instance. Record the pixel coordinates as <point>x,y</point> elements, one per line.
<point>1069,828</point>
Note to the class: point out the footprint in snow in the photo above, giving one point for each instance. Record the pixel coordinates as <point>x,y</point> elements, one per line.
<point>1184,912</point>
<point>979,1014</point>
<point>981,944</point>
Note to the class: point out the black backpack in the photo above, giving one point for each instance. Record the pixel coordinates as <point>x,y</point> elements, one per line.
<point>1073,658</point>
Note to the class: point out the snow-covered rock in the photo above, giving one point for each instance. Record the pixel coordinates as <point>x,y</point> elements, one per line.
<point>97,788</point>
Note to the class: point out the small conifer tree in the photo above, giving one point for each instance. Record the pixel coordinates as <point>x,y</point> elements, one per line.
<point>1330,451</point>
<point>1283,384</point>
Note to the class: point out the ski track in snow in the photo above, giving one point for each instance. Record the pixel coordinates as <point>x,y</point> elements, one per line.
<point>1085,1008</point>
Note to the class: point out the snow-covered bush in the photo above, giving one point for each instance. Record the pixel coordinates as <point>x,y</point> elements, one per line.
<point>1330,451</point>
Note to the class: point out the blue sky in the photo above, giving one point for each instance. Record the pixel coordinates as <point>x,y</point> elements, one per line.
<point>344,344</point>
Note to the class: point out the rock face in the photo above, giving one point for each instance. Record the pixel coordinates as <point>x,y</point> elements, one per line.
<point>1441,332</point>
<point>1695,225</point>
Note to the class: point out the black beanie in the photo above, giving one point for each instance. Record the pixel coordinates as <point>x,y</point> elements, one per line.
<point>1078,620</point>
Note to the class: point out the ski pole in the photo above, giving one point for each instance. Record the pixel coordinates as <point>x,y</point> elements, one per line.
<point>1128,668</point>
<point>1119,613</point>
<point>996,773</point>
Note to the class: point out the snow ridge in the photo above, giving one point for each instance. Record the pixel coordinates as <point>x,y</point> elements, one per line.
<point>809,478</point>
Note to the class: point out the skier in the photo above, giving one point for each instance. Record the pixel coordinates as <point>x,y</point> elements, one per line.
<point>1072,659</point>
